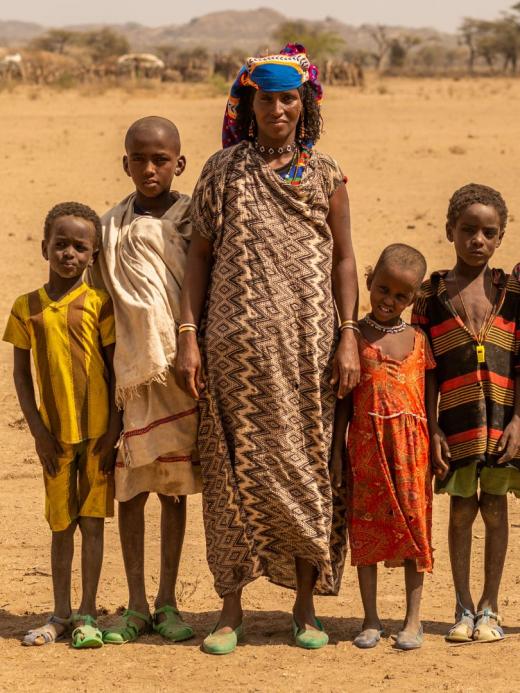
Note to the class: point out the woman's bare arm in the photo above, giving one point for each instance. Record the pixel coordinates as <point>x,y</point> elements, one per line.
<point>345,288</point>
<point>196,278</point>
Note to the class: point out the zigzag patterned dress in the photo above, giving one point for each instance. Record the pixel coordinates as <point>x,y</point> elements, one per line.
<point>268,340</point>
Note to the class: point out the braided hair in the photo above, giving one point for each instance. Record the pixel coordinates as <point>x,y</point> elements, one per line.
<point>72,209</point>
<point>471,194</point>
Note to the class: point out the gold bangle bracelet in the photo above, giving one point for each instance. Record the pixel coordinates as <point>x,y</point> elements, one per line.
<point>188,324</point>
<point>352,327</point>
<point>348,322</point>
<point>187,328</point>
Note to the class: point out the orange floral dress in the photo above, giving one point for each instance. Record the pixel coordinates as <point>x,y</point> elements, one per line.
<point>390,483</point>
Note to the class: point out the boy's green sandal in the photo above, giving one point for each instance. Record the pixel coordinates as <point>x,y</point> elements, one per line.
<point>172,627</point>
<point>88,634</point>
<point>309,638</point>
<point>126,630</point>
<point>222,643</point>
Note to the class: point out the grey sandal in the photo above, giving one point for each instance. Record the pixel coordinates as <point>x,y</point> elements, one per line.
<point>368,638</point>
<point>462,631</point>
<point>47,632</point>
<point>408,641</point>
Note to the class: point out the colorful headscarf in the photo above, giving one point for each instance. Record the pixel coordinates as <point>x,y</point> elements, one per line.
<point>287,70</point>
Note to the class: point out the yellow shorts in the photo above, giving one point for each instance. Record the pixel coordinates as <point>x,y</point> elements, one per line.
<point>80,489</point>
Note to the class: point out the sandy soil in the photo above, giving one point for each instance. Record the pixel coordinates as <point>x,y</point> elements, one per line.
<point>406,145</point>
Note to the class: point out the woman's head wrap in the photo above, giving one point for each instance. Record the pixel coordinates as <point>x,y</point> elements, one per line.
<point>282,72</point>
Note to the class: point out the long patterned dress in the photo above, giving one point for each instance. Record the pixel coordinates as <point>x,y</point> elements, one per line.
<point>268,343</point>
<point>390,484</point>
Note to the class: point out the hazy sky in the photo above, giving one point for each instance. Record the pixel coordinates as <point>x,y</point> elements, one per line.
<point>441,14</point>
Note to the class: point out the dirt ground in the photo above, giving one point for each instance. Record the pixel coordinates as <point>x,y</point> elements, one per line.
<point>406,146</point>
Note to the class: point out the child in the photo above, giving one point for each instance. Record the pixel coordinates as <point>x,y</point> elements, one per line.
<point>471,315</point>
<point>70,329</point>
<point>389,480</point>
<point>145,239</point>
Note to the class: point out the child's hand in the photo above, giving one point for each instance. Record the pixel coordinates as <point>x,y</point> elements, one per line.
<point>336,467</point>
<point>48,450</point>
<point>440,453</point>
<point>105,447</point>
<point>509,441</point>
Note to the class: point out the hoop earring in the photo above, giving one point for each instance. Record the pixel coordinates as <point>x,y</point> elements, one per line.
<point>251,131</point>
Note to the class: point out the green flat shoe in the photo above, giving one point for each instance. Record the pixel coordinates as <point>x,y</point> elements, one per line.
<point>88,635</point>
<point>310,639</point>
<point>222,643</point>
<point>172,627</point>
<point>126,630</point>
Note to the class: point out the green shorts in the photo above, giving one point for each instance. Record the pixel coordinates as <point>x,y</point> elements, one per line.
<point>466,481</point>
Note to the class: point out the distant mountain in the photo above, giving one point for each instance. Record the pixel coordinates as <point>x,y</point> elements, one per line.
<point>248,30</point>
<point>13,33</point>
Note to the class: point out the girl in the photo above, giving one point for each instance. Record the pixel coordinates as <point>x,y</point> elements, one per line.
<point>389,482</point>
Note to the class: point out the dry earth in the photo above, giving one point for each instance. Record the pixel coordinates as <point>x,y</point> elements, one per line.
<point>406,145</point>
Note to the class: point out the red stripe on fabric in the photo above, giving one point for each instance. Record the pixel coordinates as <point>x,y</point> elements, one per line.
<point>419,319</point>
<point>505,325</point>
<point>464,436</point>
<point>174,458</point>
<point>494,433</point>
<point>444,327</point>
<point>159,422</point>
<point>475,377</point>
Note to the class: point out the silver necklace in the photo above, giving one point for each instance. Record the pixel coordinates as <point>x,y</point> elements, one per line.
<point>394,329</point>
<point>275,150</point>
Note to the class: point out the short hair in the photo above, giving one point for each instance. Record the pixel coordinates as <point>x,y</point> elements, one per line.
<point>404,256</point>
<point>151,122</point>
<point>475,193</point>
<point>72,209</point>
<point>311,113</point>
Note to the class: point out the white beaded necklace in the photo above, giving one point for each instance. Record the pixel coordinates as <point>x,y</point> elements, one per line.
<point>393,329</point>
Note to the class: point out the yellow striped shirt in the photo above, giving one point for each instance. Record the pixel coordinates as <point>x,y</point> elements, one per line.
<point>66,338</point>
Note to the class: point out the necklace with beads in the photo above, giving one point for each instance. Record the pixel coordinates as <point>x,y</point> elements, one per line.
<point>275,150</point>
<point>393,329</point>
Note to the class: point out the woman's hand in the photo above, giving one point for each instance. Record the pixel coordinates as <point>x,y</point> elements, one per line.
<point>188,366</point>
<point>345,367</point>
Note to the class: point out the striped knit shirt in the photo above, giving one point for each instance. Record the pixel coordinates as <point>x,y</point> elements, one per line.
<point>476,399</point>
<point>66,338</point>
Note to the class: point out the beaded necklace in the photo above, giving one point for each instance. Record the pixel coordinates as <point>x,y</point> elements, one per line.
<point>297,168</point>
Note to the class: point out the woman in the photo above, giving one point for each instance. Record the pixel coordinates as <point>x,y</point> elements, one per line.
<point>270,252</point>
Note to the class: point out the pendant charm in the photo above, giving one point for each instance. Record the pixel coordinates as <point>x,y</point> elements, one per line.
<point>481,353</point>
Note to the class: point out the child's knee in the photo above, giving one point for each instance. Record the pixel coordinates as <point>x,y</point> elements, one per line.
<point>493,510</point>
<point>92,526</point>
<point>463,511</point>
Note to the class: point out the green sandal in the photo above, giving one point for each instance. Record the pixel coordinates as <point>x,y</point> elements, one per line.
<point>126,630</point>
<point>87,635</point>
<point>172,627</point>
<point>309,638</point>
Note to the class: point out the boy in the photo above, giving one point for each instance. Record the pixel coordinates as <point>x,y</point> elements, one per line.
<point>70,329</point>
<point>145,239</point>
<point>471,315</point>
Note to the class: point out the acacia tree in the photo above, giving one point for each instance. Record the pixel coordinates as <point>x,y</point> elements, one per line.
<point>319,44</point>
<point>382,41</point>
<point>55,41</point>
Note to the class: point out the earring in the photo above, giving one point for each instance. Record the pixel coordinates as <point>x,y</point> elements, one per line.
<point>301,131</point>
<point>251,131</point>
